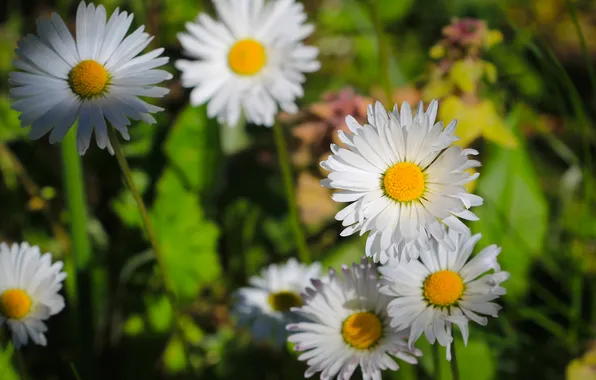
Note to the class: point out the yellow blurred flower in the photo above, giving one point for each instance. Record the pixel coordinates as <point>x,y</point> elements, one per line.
<point>476,120</point>
<point>493,37</point>
<point>437,51</point>
<point>466,74</point>
<point>583,368</point>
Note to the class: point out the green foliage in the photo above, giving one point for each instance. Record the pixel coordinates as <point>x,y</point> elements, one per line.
<point>515,212</point>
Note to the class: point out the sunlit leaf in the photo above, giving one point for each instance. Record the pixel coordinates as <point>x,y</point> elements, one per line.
<point>514,214</point>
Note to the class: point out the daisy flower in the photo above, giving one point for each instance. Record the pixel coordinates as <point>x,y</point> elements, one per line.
<point>29,286</point>
<point>403,179</point>
<point>348,326</point>
<point>444,288</point>
<point>97,78</point>
<point>265,307</point>
<point>252,60</point>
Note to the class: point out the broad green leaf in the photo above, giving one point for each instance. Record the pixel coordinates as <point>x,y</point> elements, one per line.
<point>159,313</point>
<point>193,148</point>
<point>188,241</point>
<point>7,371</point>
<point>514,214</point>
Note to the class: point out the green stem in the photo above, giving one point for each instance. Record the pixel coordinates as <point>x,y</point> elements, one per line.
<point>21,364</point>
<point>436,361</point>
<point>584,46</point>
<point>384,51</point>
<point>576,310</point>
<point>127,174</point>
<point>454,367</point>
<point>77,260</point>
<point>286,171</point>
<point>147,224</point>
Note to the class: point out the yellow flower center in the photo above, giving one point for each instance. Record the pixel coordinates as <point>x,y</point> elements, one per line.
<point>88,79</point>
<point>362,330</point>
<point>443,288</point>
<point>404,182</point>
<point>247,57</point>
<point>15,303</point>
<point>284,300</point>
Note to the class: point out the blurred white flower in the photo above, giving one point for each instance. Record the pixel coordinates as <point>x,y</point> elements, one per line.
<point>29,291</point>
<point>93,79</point>
<point>252,60</point>
<point>265,306</point>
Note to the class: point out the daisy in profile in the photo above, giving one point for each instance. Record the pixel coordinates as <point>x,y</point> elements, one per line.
<point>29,291</point>
<point>265,306</point>
<point>97,79</point>
<point>250,61</point>
<point>444,288</point>
<point>403,179</point>
<point>348,326</point>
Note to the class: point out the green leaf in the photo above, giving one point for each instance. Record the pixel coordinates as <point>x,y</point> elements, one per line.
<point>125,205</point>
<point>159,313</point>
<point>188,241</point>
<point>193,148</point>
<point>7,371</point>
<point>514,214</point>
<point>9,120</point>
<point>345,251</point>
<point>174,357</point>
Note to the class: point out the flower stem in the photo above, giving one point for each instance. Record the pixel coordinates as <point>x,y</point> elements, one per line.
<point>384,51</point>
<point>169,290</point>
<point>286,171</point>
<point>77,259</point>
<point>436,361</point>
<point>454,367</point>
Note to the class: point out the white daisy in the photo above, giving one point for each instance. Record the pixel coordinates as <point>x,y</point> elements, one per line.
<point>404,180</point>
<point>444,288</point>
<point>250,61</point>
<point>265,306</point>
<point>94,79</point>
<point>349,327</point>
<point>29,291</point>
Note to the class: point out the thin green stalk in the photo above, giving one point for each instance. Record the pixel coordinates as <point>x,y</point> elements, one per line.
<point>21,364</point>
<point>286,171</point>
<point>127,174</point>
<point>76,261</point>
<point>584,46</point>
<point>384,51</point>
<point>576,311</point>
<point>454,366</point>
<point>147,224</point>
<point>436,361</point>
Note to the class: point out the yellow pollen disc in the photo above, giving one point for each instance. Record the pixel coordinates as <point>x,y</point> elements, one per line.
<point>88,79</point>
<point>15,304</point>
<point>404,182</point>
<point>283,301</point>
<point>443,288</point>
<point>362,330</point>
<point>247,57</point>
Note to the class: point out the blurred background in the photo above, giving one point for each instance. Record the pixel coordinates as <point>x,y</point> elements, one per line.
<point>519,77</point>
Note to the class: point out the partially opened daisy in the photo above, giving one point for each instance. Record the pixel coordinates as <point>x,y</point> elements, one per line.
<point>29,291</point>
<point>444,288</point>
<point>403,179</point>
<point>250,61</point>
<point>96,79</point>
<point>265,306</point>
<point>348,326</point>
